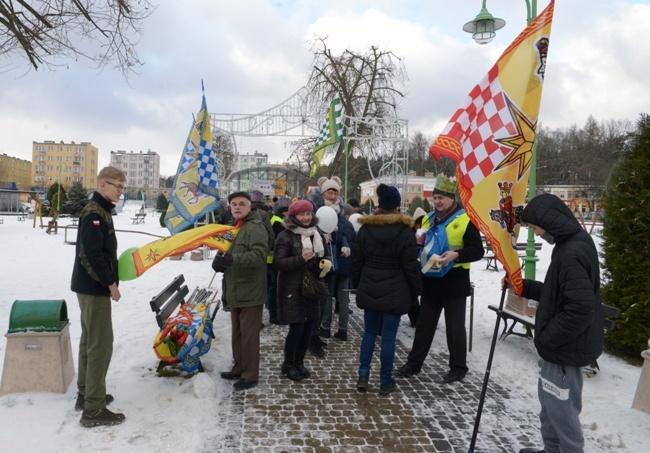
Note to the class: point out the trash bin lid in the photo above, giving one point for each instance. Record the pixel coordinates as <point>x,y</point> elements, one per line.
<point>38,316</point>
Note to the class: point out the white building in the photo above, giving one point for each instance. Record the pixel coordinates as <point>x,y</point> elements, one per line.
<point>142,170</point>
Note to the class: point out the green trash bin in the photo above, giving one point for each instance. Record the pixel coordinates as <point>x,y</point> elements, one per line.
<point>38,357</point>
<point>38,316</point>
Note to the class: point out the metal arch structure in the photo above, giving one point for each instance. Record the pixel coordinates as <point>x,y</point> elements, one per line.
<point>302,116</point>
<point>293,178</point>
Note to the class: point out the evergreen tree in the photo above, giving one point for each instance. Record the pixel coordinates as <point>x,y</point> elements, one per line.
<point>426,205</point>
<point>53,197</point>
<point>77,200</point>
<point>626,248</point>
<point>161,202</point>
<point>416,203</point>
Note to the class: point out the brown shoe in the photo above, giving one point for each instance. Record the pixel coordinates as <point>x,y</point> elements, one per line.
<point>81,401</point>
<point>100,417</point>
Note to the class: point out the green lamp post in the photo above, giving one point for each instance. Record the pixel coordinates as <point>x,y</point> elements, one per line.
<point>483,29</point>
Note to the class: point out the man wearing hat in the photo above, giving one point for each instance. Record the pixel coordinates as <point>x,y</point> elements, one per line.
<point>448,292</point>
<point>244,268</point>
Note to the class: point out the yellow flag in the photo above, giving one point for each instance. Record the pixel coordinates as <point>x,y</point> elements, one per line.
<point>491,138</point>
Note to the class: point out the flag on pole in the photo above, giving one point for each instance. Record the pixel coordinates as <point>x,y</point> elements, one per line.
<point>196,186</point>
<point>491,138</point>
<point>331,132</point>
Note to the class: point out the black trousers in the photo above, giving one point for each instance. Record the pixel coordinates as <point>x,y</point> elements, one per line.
<point>430,311</point>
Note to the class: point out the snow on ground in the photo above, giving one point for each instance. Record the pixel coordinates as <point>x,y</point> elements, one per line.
<point>165,413</point>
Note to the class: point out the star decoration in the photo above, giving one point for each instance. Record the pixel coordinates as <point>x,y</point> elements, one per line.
<point>153,255</point>
<point>521,144</point>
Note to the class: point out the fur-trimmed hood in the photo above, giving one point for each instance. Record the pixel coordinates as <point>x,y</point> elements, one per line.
<point>386,219</point>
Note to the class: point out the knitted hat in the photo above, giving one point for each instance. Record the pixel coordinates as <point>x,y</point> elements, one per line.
<point>445,186</point>
<point>349,210</point>
<point>327,184</point>
<point>282,202</point>
<point>239,194</point>
<point>300,206</point>
<point>257,196</point>
<point>389,197</point>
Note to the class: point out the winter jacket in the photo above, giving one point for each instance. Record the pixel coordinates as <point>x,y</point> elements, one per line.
<point>569,319</point>
<point>338,237</point>
<point>95,264</point>
<point>245,281</point>
<point>385,268</point>
<point>456,283</point>
<point>288,261</point>
<point>345,263</point>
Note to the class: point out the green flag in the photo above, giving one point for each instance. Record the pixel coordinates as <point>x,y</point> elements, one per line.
<point>331,132</point>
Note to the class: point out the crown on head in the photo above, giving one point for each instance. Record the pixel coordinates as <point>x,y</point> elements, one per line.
<point>445,184</point>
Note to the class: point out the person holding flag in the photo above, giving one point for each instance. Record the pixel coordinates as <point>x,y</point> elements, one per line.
<point>446,292</point>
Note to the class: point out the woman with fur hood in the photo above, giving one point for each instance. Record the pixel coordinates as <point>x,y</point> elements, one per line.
<point>300,246</point>
<point>386,273</point>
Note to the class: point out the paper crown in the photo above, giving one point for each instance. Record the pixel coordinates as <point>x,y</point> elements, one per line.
<point>445,185</point>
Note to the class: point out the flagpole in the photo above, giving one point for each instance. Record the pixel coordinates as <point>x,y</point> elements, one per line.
<point>530,259</point>
<point>345,148</point>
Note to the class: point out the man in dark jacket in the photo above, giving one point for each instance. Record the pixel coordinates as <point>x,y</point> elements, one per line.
<point>244,268</point>
<point>95,280</point>
<point>568,323</point>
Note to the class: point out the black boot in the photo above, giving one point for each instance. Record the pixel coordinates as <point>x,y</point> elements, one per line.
<point>290,371</point>
<point>315,347</point>
<point>300,364</point>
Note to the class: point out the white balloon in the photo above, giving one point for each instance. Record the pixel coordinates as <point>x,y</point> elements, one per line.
<point>354,220</point>
<point>327,219</point>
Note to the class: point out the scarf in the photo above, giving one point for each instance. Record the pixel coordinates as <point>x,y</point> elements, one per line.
<point>305,234</point>
<point>336,206</point>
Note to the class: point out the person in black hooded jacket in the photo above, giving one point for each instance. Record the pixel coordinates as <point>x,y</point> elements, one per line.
<point>568,323</point>
<point>386,273</point>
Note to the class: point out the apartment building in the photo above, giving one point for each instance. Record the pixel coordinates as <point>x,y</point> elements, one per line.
<point>142,169</point>
<point>65,162</point>
<point>15,170</point>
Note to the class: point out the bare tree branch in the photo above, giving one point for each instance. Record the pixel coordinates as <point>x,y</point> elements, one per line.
<point>48,31</point>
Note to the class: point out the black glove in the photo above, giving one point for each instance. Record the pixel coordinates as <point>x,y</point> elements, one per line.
<point>222,261</point>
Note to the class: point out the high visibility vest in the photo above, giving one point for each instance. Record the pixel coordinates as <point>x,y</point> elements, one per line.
<point>275,219</point>
<point>455,232</point>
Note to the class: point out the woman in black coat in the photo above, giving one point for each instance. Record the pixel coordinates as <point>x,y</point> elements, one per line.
<point>300,246</point>
<point>386,273</point>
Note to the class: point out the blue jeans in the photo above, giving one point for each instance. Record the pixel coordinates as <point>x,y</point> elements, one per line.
<point>372,324</point>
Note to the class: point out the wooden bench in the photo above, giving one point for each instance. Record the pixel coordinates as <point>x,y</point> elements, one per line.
<point>610,314</point>
<point>139,217</point>
<point>493,263</point>
<point>165,304</point>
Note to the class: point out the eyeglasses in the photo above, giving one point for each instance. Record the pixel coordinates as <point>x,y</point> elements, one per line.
<point>119,187</point>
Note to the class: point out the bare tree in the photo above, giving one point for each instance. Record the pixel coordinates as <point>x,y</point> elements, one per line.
<point>46,30</point>
<point>366,83</point>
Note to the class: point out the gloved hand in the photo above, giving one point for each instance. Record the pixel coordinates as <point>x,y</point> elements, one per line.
<point>222,261</point>
<point>345,252</point>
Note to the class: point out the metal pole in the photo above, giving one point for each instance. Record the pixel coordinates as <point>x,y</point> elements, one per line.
<point>530,259</point>
<point>58,196</point>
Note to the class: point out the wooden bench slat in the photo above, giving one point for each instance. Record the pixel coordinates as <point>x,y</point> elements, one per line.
<point>171,305</point>
<point>161,297</point>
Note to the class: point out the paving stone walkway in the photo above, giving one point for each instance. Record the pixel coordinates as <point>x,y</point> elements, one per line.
<point>326,414</point>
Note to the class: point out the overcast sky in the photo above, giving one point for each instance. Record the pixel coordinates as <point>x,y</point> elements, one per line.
<point>254,54</point>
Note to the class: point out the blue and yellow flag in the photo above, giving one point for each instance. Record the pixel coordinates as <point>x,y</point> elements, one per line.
<point>331,132</point>
<point>491,137</point>
<point>196,187</point>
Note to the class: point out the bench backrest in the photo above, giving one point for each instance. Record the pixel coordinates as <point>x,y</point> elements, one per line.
<point>610,312</point>
<point>169,299</point>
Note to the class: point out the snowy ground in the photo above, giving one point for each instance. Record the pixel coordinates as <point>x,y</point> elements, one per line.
<point>166,413</point>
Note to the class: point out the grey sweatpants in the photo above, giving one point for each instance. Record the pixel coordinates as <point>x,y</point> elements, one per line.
<point>560,395</point>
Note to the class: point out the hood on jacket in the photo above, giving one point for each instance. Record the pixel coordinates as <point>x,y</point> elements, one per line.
<point>386,219</point>
<point>552,215</point>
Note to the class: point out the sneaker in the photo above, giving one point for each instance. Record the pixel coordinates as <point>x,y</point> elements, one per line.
<point>362,384</point>
<point>325,333</point>
<point>453,376</point>
<point>81,401</point>
<point>243,384</point>
<point>97,417</point>
<point>530,450</point>
<point>407,370</point>
<point>229,375</point>
<point>341,335</point>
<point>385,389</point>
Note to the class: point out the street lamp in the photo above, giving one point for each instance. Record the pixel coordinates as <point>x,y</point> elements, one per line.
<point>484,26</point>
<point>483,29</point>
